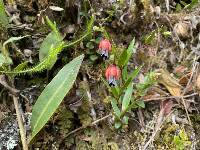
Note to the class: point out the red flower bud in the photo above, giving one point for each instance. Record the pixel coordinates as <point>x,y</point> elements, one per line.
<point>104,48</point>
<point>112,74</point>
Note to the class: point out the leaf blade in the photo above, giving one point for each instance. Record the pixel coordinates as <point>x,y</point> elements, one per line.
<point>3,17</point>
<point>116,110</point>
<point>131,77</point>
<point>53,94</point>
<point>127,97</point>
<point>127,53</point>
<point>51,40</point>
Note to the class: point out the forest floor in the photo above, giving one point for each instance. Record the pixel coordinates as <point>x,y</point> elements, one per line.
<point>167,45</point>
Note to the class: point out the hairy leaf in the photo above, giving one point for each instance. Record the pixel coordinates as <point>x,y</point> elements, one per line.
<point>46,63</point>
<point>53,94</point>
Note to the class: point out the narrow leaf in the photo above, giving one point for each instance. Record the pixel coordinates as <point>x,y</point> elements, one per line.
<point>127,97</point>
<point>140,103</point>
<point>126,54</point>
<point>122,58</point>
<point>53,94</point>
<point>49,42</point>
<point>52,25</point>
<point>115,108</point>
<point>124,73</point>
<point>132,76</point>
<point>21,66</point>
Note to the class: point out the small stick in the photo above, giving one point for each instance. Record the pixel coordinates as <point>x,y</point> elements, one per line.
<point>155,132</point>
<point>20,123</point>
<point>90,125</point>
<point>186,88</point>
<point>14,92</point>
<point>169,97</point>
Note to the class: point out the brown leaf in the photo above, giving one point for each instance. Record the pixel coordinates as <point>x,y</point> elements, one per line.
<point>180,69</point>
<point>167,106</point>
<point>185,78</point>
<point>169,82</point>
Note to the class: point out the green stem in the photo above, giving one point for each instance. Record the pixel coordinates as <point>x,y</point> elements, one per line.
<point>77,41</point>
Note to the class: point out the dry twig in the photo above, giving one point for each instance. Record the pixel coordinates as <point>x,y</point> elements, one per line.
<point>90,125</point>
<point>14,92</point>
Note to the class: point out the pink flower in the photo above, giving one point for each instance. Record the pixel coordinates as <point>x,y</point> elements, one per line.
<point>104,48</point>
<point>112,74</point>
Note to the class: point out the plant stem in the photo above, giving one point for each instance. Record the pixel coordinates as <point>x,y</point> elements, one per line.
<point>74,42</point>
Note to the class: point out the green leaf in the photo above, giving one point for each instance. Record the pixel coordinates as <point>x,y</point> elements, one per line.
<point>122,58</point>
<point>52,25</point>
<point>21,66</point>
<point>178,7</point>
<point>52,39</point>
<point>115,91</point>
<point>149,80</point>
<point>126,54</point>
<point>115,108</point>
<point>49,42</point>
<point>192,4</point>
<point>124,73</point>
<point>93,57</point>
<point>127,97</point>
<point>3,17</point>
<point>90,45</point>
<point>118,125</point>
<point>5,60</point>
<point>131,77</point>
<point>125,119</point>
<point>53,94</point>
<point>150,38</point>
<point>45,64</point>
<point>167,34</point>
<point>183,3</point>
<point>140,104</point>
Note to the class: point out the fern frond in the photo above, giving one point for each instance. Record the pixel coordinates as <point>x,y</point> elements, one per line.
<point>46,63</point>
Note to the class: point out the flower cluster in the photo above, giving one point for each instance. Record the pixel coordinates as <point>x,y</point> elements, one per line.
<point>112,72</point>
